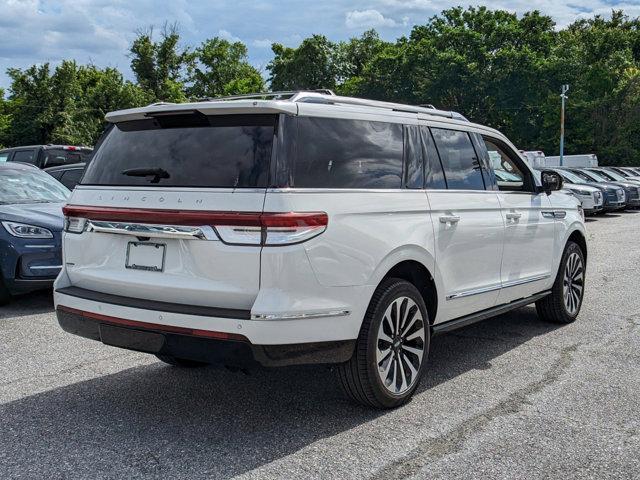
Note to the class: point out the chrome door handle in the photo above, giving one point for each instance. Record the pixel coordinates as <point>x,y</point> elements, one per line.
<point>513,216</point>
<point>449,219</point>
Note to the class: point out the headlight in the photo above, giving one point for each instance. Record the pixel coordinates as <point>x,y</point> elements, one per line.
<point>23,230</point>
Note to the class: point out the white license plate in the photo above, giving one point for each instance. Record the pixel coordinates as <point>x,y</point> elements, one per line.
<point>145,256</point>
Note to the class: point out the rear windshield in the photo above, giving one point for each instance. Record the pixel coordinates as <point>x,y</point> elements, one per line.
<point>190,150</point>
<point>54,157</point>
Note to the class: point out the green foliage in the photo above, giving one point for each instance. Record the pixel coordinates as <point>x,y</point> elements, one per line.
<point>66,106</point>
<point>310,66</point>
<point>222,68</point>
<point>160,66</point>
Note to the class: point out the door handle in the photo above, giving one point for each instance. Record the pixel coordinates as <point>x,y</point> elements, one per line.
<point>449,219</point>
<point>513,216</point>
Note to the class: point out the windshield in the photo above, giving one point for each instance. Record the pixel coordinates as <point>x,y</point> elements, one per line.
<point>613,175</point>
<point>190,150</point>
<point>30,186</point>
<point>571,177</point>
<point>590,176</point>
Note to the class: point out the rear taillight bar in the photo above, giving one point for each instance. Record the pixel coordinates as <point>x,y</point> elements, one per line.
<point>236,228</point>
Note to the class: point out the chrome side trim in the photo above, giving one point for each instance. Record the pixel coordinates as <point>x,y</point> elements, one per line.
<point>512,283</point>
<point>299,316</point>
<point>523,281</point>
<point>204,232</point>
<point>39,246</point>
<point>45,267</point>
<point>475,291</point>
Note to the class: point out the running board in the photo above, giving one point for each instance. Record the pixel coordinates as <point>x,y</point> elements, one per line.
<point>484,314</point>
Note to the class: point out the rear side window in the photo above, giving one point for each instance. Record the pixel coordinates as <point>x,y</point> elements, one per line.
<point>4,157</point>
<point>461,166</point>
<point>413,158</point>
<point>434,175</point>
<point>191,150</point>
<point>341,153</point>
<point>25,156</point>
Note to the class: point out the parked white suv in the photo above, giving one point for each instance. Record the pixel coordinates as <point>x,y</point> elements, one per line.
<point>310,228</point>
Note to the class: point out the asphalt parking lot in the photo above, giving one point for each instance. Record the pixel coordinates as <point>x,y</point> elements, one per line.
<point>511,397</point>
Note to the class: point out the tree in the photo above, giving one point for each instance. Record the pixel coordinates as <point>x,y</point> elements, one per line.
<point>221,68</point>
<point>5,120</point>
<point>66,106</point>
<point>312,65</point>
<point>160,66</point>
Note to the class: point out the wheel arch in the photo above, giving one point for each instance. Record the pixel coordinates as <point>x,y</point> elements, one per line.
<point>578,237</point>
<point>418,275</point>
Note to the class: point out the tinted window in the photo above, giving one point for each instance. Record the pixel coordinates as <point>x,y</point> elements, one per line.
<point>59,156</point>
<point>186,150</point>
<point>338,153</point>
<point>461,167</point>
<point>25,156</point>
<point>434,176</point>
<point>70,178</point>
<point>413,158</point>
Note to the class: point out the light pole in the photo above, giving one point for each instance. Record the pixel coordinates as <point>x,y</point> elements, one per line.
<point>563,96</point>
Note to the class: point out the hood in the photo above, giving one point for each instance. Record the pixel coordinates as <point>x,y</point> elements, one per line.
<point>581,186</point>
<point>625,185</point>
<point>48,215</point>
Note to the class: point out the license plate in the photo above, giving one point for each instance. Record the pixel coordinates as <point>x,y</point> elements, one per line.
<point>145,256</point>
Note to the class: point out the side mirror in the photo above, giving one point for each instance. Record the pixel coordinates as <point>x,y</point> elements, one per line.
<point>551,181</point>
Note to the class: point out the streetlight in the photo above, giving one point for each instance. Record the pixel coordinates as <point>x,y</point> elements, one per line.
<point>563,96</point>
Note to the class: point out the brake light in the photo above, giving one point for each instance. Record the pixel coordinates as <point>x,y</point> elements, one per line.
<point>236,228</point>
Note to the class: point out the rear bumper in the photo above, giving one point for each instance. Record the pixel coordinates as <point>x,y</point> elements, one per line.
<point>216,348</point>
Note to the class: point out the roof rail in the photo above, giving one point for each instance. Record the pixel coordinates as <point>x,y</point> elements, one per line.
<point>312,97</point>
<point>328,97</point>
<point>279,95</point>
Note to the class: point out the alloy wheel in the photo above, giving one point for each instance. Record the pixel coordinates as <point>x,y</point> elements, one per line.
<point>573,283</point>
<point>400,345</point>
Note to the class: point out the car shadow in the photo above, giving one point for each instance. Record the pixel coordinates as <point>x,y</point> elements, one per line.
<point>157,420</point>
<point>33,303</point>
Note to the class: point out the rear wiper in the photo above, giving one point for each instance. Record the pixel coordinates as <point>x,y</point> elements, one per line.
<point>157,173</point>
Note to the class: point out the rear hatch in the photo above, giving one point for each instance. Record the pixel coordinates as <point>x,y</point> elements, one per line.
<point>167,210</point>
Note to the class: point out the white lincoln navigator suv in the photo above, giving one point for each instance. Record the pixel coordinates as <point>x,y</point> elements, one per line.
<point>305,227</point>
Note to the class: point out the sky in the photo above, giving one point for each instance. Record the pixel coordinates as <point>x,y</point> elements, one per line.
<point>100,31</point>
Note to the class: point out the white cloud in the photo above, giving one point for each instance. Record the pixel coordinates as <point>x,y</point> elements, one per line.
<point>227,35</point>
<point>367,19</point>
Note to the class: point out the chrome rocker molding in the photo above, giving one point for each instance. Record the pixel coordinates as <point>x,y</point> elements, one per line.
<point>483,315</point>
<point>512,283</point>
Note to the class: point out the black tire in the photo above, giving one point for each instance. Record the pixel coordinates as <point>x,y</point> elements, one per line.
<point>360,377</point>
<point>5,296</point>
<point>553,308</point>
<point>180,362</point>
